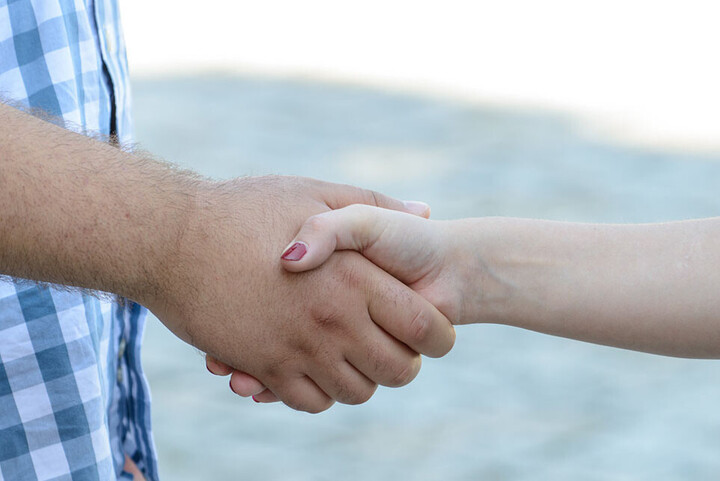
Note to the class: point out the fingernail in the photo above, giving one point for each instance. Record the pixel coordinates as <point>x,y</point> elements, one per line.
<point>231,388</point>
<point>295,252</point>
<point>255,399</point>
<point>416,207</point>
<point>208,368</point>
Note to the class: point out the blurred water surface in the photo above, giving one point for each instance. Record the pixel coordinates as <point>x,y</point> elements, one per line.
<point>505,404</point>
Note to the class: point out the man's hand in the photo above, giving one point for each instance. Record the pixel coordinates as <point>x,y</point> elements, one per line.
<point>330,334</point>
<point>203,257</point>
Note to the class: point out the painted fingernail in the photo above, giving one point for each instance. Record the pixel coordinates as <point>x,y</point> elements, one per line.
<point>295,252</point>
<point>416,207</point>
<point>253,398</point>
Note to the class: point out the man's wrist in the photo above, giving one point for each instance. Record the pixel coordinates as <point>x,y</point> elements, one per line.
<point>170,245</point>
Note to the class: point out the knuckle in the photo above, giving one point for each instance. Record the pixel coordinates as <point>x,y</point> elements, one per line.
<point>344,394</point>
<point>352,276</point>
<point>328,318</point>
<point>373,198</point>
<point>419,328</point>
<point>393,370</point>
<point>379,359</point>
<point>362,396</point>
<point>405,373</point>
<point>358,395</point>
<point>314,406</point>
<point>315,223</point>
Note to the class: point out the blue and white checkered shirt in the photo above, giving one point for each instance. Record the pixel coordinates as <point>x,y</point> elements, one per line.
<point>73,398</point>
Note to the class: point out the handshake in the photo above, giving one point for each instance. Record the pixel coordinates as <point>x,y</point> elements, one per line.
<point>302,324</point>
<point>369,284</point>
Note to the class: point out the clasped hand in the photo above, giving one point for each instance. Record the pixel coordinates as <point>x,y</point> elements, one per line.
<point>412,249</point>
<point>312,338</point>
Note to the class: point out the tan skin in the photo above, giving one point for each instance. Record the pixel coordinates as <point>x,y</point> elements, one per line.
<point>131,468</point>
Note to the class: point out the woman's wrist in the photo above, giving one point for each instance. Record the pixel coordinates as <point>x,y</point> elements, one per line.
<point>482,295</point>
<point>500,269</point>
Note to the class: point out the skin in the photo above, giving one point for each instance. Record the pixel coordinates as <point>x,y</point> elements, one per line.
<point>646,287</point>
<point>132,468</point>
<point>201,255</point>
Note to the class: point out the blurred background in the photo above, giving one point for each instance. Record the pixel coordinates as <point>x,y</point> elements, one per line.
<point>586,111</point>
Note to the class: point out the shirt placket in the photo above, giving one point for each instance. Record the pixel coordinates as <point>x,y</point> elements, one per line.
<point>108,36</point>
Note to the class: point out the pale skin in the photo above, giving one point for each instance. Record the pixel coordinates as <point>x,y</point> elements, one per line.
<point>646,287</point>
<point>202,256</point>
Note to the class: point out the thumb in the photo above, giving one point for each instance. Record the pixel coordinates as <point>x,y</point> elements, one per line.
<point>355,228</point>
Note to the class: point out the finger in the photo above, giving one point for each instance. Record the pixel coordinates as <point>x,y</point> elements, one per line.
<point>344,383</point>
<point>381,358</point>
<point>217,367</point>
<point>350,228</point>
<point>338,196</point>
<point>245,385</point>
<point>265,397</point>
<point>408,317</point>
<point>302,394</point>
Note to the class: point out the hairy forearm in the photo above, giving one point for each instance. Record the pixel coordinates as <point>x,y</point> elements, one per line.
<point>647,287</point>
<point>81,212</point>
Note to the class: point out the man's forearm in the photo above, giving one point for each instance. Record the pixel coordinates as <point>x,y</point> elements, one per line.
<point>81,212</point>
<point>646,287</point>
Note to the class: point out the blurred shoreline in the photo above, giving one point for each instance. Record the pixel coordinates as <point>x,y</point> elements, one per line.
<point>614,128</point>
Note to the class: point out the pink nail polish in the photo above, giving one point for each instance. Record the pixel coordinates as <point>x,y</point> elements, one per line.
<point>253,398</point>
<point>295,252</point>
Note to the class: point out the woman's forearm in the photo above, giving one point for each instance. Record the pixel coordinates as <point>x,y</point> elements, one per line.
<point>650,287</point>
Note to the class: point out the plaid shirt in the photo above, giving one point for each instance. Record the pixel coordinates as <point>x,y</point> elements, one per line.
<point>73,398</point>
